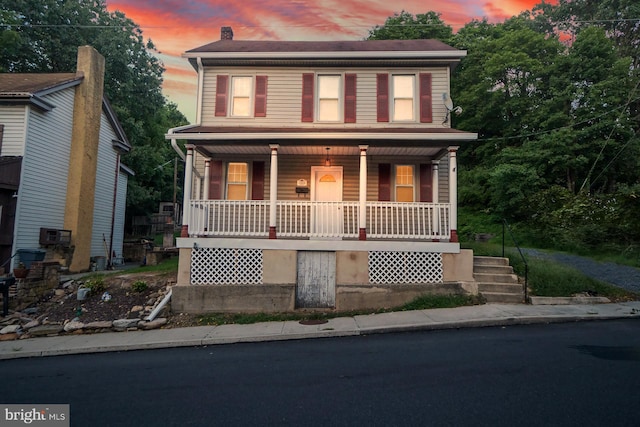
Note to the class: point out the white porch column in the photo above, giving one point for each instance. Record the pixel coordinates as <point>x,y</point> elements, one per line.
<point>188,183</point>
<point>207,178</point>
<point>453,193</point>
<point>273,191</point>
<point>435,195</point>
<point>362,219</point>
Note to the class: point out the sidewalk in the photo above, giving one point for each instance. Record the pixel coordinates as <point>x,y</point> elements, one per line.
<point>449,318</point>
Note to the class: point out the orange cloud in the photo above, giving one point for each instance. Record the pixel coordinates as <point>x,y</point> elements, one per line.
<point>176,26</point>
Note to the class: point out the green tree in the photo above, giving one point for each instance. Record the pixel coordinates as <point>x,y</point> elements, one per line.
<point>404,26</point>
<point>46,36</point>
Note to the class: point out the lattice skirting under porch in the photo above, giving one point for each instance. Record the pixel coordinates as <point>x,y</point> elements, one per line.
<point>216,266</point>
<point>388,267</point>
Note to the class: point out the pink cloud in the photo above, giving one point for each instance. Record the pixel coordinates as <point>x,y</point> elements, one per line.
<point>176,26</point>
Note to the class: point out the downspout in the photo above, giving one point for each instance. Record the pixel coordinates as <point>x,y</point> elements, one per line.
<point>174,143</point>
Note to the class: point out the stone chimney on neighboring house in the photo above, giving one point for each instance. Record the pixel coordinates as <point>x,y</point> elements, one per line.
<point>83,164</point>
<point>226,33</point>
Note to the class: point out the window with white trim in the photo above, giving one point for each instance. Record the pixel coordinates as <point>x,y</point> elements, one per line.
<point>404,182</point>
<point>237,181</point>
<point>329,98</point>
<point>241,93</point>
<point>403,92</point>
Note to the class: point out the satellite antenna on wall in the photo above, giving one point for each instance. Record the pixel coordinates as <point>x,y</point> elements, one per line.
<point>448,103</point>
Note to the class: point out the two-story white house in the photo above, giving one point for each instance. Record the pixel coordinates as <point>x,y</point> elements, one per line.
<point>320,175</point>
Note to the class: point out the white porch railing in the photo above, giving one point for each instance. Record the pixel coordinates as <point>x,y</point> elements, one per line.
<point>395,220</point>
<point>305,219</point>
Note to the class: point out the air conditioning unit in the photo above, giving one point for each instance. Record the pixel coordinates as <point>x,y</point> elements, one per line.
<point>53,236</point>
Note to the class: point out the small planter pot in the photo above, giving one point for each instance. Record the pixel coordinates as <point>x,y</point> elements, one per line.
<point>20,273</point>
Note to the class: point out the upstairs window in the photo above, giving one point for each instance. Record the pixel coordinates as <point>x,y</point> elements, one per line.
<point>241,96</point>
<point>237,181</point>
<point>241,91</point>
<point>403,97</point>
<point>329,98</point>
<point>399,100</point>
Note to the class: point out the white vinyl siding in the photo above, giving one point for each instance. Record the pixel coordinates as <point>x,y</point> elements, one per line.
<point>13,138</point>
<point>104,191</point>
<point>41,203</point>
<point>284,97</point>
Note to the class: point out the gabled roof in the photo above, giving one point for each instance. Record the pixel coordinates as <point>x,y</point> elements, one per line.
<point>29,88</point>
<point>256,46</point>
<point>360,52</point>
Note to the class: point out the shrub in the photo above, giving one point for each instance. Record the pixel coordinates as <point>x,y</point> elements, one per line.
<point>96,285</point>
<point>139,286</point>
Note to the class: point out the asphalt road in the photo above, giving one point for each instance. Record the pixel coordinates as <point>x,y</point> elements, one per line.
<point>574,374</point>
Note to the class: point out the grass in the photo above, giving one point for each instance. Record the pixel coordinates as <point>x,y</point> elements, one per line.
<point>421,303</point>
<point>551,279</point>
<point>166,266</point>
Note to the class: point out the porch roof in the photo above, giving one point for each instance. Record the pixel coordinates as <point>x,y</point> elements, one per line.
<point>383,135</point>
<point>343,141</point>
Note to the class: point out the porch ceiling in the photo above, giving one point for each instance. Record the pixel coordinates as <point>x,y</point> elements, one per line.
<point>305,150</point>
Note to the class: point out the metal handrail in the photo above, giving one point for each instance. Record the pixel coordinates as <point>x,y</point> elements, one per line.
<point>505,225</point>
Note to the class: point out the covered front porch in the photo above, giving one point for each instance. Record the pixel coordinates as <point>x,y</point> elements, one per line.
<point>341,196</point>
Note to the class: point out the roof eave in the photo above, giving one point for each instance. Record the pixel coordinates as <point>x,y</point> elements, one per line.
<point>418,136</point>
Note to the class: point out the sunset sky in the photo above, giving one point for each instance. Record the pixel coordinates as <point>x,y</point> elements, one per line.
<point>176,26</point>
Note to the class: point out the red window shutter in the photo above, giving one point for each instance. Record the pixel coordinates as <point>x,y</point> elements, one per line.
<point>349,98</point>
<point>384,182</point>
<point>257,181</point>
<point>215,180</point>
<point>261,97</point>
<point>307,97</point>
<point>221,95</point>
<point>425,98</point>
<point>383,97</point>
<point>426,183</point>
<point>1,133</point>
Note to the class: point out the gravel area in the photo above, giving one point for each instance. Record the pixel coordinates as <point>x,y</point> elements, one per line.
<point>619,275</point>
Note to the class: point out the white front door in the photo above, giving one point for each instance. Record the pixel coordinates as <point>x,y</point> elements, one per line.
<point>326,189</point>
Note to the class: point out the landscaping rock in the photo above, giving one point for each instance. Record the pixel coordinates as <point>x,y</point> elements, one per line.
<point>30,325</point>
<point>123,324</point>
<point>9,337</point>
<point>98,325</point>
<point>73,326</point>
<point>154,324</point>
<point>44,330</point>
<point>10,329</point>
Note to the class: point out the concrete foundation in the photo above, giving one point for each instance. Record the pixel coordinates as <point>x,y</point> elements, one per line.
<point>233,299</point>
<point>277,293</point>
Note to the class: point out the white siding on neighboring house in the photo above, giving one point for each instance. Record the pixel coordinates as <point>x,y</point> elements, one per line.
<point>41,201</point>
<point>14,119</point>
<point>118,224</point>
<point>284,97</point>
<point>104,191</point>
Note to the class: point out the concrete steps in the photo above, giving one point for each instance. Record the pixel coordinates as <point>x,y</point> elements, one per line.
<point>496,280</point>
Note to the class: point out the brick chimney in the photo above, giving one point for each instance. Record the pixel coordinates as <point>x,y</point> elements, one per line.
<point>226,33</point>
<point>81,178</point>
